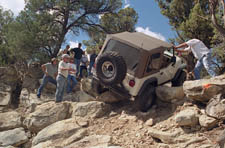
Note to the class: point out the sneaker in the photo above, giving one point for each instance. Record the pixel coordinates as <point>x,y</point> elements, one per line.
<point>38,96</point>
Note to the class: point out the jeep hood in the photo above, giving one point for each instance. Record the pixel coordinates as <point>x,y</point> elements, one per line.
<point>140,40</point>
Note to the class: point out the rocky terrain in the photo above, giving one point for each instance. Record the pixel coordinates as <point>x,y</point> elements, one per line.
<point>191,116</point>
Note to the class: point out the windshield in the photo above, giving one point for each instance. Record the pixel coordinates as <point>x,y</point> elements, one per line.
<point>130,54</point>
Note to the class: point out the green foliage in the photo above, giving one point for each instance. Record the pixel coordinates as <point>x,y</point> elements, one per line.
<point>39,31</point>
<point>123,20</point>
<point>191,19</point>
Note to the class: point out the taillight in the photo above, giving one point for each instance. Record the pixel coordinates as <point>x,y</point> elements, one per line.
<point>132,83</point>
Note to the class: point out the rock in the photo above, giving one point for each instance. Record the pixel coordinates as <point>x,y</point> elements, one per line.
<point>10,120</point>
<point>4,98</point>
<point>106,147</point>
<point>93,141</point>
<point>165,137</point>
<point>46,114</point>
<point>149,122</point>
<point>170,94</point>
<point>57,133</point>
<point>86,86</point>
<point>83,97</point>
<point>93,109</point>
<point>216,107</point>
<point>28,98</point>
<point>109,97</point>
<point>49,88</point>
<point>14,137</point>
<point>207,122</point>
<point>203,90</point>
<point>187,117</point>
<point>5,91</point>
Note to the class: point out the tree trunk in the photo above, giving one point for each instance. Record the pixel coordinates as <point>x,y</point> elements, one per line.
<point>213,5</point>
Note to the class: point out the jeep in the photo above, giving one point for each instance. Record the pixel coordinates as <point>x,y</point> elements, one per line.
<point>133,65</point>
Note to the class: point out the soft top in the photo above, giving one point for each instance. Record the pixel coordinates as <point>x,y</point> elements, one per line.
<point>140,40</point>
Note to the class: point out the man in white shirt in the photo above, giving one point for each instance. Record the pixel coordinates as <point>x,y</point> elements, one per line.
<point>202,53</point>
<point>63,71</point>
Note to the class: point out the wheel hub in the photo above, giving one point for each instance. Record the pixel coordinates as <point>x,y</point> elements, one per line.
<point>108,69</point>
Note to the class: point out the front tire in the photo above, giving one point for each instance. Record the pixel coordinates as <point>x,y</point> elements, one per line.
<point>146,99</point>
<point>180,80</point>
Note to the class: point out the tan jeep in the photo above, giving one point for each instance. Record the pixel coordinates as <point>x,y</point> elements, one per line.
<point>134,64</point>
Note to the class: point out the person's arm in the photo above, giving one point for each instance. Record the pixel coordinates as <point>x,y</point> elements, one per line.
<point>183,45</point>
<point>43,67</point>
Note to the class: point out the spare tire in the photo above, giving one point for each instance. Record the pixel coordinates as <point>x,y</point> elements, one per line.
<point>111,68</point>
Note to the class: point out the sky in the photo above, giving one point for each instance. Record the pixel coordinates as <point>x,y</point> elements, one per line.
<point>150,22</point>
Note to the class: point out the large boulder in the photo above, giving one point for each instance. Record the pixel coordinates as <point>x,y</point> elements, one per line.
<point>10,120</point>
<point>205,89</point>
<point>93,109</point>
<point>14,137</point>
<point>216,107</point>
<point>187,117</point>
<point>61,133</point>
<point>46,114</point>
<point>170,94</point>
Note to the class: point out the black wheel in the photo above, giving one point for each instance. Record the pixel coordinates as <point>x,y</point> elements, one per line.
<point>180,80</point>
<point>111,68</point>
<point>146,99</point>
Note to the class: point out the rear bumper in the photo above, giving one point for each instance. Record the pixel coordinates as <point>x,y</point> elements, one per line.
<point>117,89</point>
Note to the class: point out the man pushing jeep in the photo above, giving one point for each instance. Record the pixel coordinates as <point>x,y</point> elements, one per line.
<point>202,53</point>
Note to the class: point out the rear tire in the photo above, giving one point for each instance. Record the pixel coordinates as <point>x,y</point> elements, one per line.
<point>180,80</point>
<point>146,99</point>
<point>111,68</point>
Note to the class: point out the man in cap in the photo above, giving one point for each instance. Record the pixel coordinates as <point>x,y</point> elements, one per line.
<point>63,70</point>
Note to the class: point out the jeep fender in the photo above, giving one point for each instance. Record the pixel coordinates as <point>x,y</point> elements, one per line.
<point>178,73</point>
<point>153,81</point>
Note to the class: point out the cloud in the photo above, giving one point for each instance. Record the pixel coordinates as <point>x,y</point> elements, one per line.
<point>126,3</point>
<point>147,31</point>
<point>73,44</point>
<point>14,5</point>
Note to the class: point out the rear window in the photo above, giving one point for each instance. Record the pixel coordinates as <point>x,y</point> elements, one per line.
<point>130,54</point>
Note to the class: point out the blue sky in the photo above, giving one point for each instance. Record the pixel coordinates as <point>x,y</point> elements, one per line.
<point>150,21</point>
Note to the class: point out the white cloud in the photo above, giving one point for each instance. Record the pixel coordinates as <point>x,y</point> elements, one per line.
<point>147,31</point>
<point>126,3</point>
<point>14,5</point>
<point>73,44</point>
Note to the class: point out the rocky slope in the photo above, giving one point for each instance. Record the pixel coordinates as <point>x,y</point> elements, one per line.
<point>183,117</point>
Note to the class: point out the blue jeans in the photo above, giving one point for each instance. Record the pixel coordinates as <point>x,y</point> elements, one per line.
<point>81,70</point>
<point>61,83</point>
<point>74,82</point>
<point>45,81</point>
<point>77,62</point>
<point>205,61</point>
<point>90,68</point>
